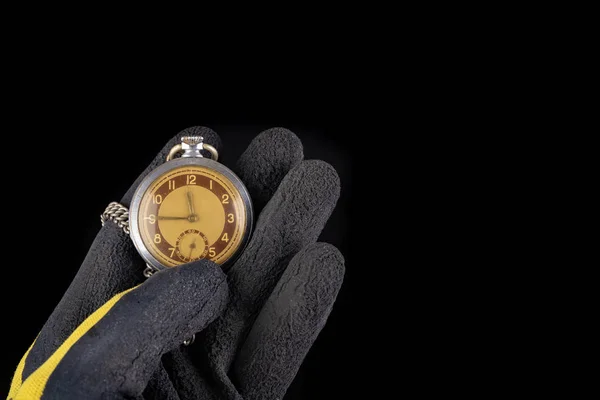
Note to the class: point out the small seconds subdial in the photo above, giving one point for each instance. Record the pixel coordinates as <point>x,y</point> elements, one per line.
<point>191,245</point>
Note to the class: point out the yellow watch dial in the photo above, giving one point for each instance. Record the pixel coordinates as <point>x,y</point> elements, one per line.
<point>189,213</point>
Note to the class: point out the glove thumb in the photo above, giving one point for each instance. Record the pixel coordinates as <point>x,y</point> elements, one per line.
<point>114,352</point>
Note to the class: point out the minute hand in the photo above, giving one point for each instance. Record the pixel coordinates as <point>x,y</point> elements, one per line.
<point>159,217</point>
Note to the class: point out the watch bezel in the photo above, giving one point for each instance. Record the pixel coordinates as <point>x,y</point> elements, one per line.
<point>134,209</point>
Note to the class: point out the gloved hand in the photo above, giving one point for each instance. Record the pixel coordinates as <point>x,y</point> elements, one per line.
<point>117,335</point>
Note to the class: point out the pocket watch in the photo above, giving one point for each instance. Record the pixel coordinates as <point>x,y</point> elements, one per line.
<point>189,208</point>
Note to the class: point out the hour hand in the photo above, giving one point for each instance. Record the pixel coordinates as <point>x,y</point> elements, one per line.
<point>190,202</point>
<point>167,218</point>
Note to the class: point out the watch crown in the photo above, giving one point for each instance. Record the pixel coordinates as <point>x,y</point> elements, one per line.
<point>192,140</point>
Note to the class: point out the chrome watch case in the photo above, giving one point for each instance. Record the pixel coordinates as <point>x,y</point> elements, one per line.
<point>191,156</point>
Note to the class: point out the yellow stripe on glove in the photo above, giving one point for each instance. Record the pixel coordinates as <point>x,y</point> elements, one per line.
<point>33,387</point>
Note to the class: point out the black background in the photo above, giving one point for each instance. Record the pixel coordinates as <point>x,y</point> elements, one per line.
<point>78,159</point>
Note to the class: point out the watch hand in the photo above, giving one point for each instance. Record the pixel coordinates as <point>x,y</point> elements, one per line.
<point>190,201</point>
<point>193,217</point>
<point>192,247</point>
<point>160,217</point>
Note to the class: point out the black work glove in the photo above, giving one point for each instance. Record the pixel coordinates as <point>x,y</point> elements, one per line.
<point>116,335</point>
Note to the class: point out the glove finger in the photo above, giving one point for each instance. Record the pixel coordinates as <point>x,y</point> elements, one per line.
<point>117,355</point>
<point>292,219</point>
<point>268,158</point>
<point>112,265</point>
<point>289,323</point>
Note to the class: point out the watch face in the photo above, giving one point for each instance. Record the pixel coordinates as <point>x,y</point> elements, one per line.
<point>192,212</point>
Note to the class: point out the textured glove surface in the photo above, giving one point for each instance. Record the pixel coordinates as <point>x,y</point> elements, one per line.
<point>278,296</point>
